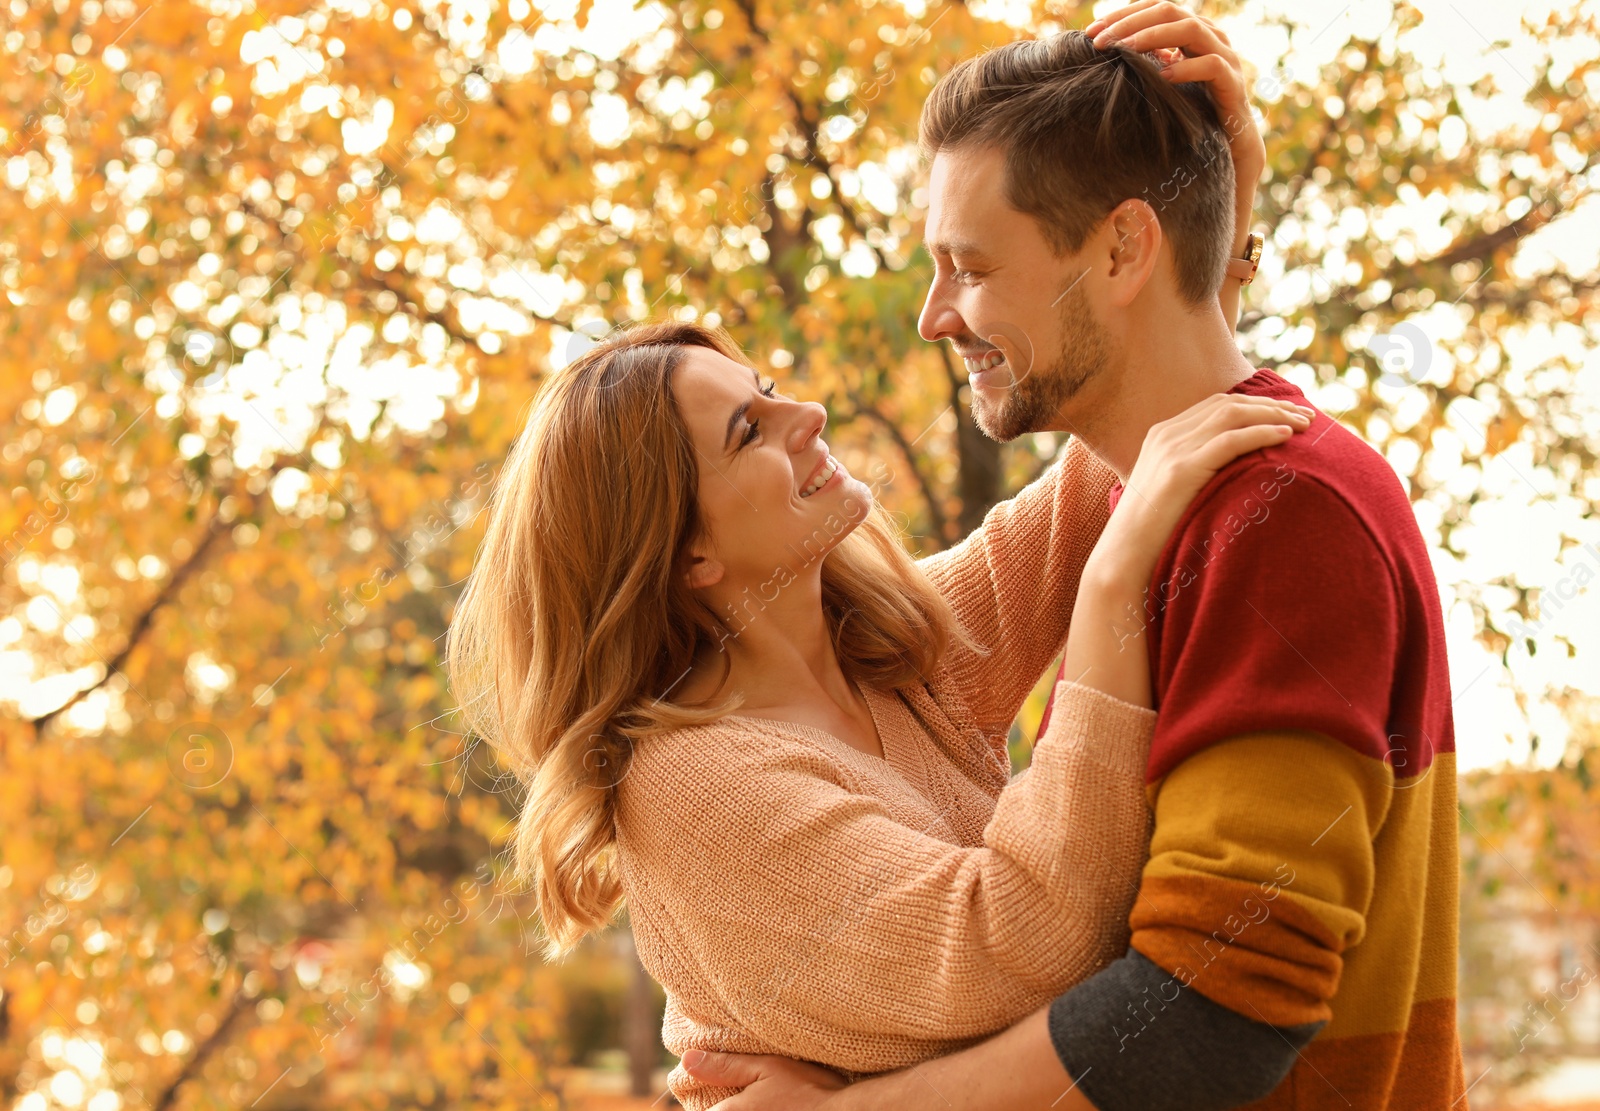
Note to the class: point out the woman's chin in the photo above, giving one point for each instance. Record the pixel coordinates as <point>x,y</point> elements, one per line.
<point>855,499</point>
<point>849,499</point>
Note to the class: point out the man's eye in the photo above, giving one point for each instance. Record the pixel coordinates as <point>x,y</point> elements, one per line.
<point>962,275</point>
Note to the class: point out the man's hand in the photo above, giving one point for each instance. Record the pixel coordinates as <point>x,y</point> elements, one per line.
<point>770,1083</point>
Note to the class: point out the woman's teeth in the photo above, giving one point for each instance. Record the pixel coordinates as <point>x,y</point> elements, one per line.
<point>987,362</point>
<point>822,477</point>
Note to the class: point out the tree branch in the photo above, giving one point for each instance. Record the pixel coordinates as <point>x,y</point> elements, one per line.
<point>141,624</point>
<point>808,133</point>
<point>203,1052</point>
<point>936,517</point>
<point>1335,125</point>
<point>216,530</point>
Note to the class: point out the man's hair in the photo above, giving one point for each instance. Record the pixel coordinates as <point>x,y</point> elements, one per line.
<point>1084,129</point>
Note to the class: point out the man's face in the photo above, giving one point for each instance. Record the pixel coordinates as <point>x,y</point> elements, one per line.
<point>1021,317</point>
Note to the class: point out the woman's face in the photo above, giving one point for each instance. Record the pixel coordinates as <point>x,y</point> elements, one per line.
<point>772,499</point>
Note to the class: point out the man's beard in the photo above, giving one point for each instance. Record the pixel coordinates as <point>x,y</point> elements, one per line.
<point>1034,402</point>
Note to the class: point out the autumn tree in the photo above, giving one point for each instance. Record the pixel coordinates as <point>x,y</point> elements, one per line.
<point>280,282</point>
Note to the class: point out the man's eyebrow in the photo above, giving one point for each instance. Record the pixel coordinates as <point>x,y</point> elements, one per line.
<point>739,412</point>
<point>954,247</point>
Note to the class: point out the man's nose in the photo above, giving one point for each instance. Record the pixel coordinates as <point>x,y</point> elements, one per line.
<point>939,318</point>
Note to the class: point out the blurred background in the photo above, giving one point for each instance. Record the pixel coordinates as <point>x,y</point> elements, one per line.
<point>279,280</point>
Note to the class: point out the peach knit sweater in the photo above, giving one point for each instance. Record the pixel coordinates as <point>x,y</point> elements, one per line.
<point>797,896</point>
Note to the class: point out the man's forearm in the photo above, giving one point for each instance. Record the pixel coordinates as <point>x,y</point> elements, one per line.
<point>1015,1070</point>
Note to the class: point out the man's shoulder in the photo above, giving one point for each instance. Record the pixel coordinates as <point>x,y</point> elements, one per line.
<point>1335,458</point>
<point>1334,496</point>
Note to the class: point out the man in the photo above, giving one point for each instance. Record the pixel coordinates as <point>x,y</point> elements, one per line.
<point>1293,943</point>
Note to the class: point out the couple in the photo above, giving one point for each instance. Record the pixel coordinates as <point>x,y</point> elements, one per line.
<point>741,708</point>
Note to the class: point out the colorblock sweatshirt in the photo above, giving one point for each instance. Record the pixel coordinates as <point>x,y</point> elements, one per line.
<point>1294,938</point>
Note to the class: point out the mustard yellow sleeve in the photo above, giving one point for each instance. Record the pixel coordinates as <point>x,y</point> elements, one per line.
<point>1261,871</point>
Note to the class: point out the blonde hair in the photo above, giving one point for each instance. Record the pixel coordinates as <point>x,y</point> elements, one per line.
<point>577,621</point>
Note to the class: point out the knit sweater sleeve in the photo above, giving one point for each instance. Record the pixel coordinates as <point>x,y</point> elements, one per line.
<point>1014,580</point>
<point>815,925</point>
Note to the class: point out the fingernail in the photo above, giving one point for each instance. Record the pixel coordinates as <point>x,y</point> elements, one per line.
<point>693,1057</point>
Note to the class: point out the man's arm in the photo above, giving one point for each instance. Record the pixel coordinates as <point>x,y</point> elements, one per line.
<point>1015,1070</point>
<point>1260,874</point>
<point>1270,782</point>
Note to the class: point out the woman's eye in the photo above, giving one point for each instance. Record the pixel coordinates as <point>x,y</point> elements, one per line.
<point>750,432</point>
<point>770,388</point>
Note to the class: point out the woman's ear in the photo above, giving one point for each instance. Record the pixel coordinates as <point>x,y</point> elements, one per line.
<point>703,571</point>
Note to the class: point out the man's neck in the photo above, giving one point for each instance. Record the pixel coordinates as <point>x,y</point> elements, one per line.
<point>1166,369</point>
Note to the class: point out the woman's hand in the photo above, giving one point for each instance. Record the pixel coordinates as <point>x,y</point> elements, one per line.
<point>1178,457</point>
<point>1192,48</point>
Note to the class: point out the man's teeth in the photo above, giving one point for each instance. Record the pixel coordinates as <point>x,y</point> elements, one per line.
<point>987,362</point>
<point>822,477</point>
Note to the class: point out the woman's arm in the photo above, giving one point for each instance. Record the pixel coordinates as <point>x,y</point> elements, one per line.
<point>1013,581</point>
<point>1178,457</point>
<point>820,927</point>
<point>1193,48</point>
<point>1017,582</point>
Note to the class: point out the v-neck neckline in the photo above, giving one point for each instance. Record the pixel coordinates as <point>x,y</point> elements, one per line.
<point>869,695</point>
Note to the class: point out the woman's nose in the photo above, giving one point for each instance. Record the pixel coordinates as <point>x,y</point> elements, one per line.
<point>808,425</point>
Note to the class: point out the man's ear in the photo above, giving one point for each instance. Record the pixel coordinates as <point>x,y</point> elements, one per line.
<point>1135,245</point>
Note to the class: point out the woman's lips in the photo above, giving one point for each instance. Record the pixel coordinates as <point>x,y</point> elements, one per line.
<point>831,468</point>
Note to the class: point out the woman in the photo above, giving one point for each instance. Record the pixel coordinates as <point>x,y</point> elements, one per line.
<point>738,703</point>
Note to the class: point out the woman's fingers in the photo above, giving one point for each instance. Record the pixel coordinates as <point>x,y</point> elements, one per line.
<point>1135,25</point>
<point>1225,410</point>
<point>1224,448</point>
<point>1207,67</point>
<point>1121,13</point>
<point>1191,35</point>
<point>723,1070</point>
<point>1257,411</point>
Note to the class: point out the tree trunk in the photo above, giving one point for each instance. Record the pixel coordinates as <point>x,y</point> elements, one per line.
<point>978,457</point>
<point>639,1029</point>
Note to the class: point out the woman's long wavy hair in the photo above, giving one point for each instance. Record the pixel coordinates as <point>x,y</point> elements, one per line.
<point>577,621</point>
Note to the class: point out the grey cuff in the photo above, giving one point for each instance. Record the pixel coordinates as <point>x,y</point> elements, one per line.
<point>1133,1038</point>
